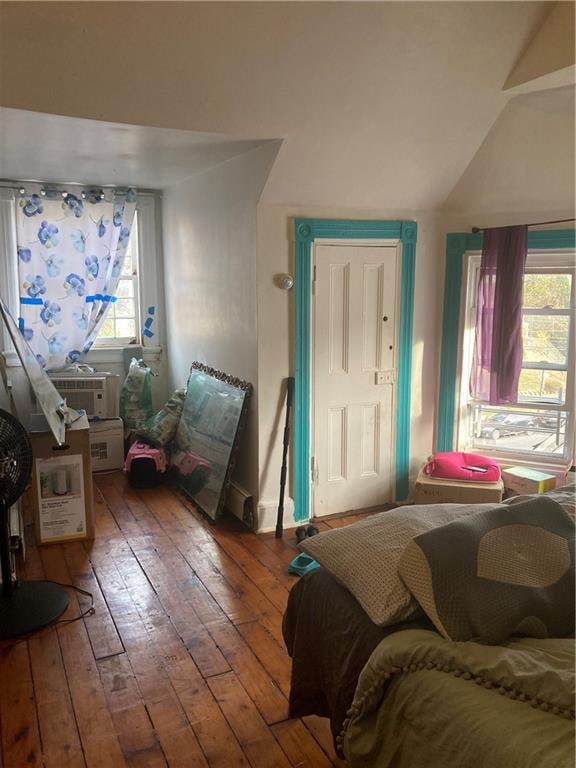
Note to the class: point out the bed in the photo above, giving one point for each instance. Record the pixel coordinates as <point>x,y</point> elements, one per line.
<point>402,694</point>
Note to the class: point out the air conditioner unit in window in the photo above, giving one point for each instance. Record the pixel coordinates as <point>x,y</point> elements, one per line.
<point>95,393</point>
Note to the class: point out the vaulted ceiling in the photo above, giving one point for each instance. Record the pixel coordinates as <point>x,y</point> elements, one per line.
<point>379,104</point>
<point>526,162</point>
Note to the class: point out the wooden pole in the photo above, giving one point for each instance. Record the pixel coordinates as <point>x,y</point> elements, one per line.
<point>289,396</point>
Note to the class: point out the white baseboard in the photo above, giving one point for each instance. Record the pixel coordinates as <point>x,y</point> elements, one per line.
<point>267,513</point>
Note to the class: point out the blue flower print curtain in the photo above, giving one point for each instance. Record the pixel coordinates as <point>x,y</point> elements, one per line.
<point>71,249</point>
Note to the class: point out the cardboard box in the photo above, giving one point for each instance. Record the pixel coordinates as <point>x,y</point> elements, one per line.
<point>431,490</point>
<point>62,495</point>
<point>522,480</point>
<point>106,444</point>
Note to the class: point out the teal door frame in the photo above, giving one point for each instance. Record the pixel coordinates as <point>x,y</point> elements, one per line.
<point>306,232</point>
<point>457,244</point>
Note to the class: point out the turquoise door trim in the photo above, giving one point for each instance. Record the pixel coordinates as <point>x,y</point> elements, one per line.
<point>457,244</point>
<point>306,231</point>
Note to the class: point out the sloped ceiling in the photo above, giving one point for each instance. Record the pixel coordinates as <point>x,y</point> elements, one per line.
<point>527,160</point>
<point>43,147</point>
<point>551,49</point>
<point>380,104</point>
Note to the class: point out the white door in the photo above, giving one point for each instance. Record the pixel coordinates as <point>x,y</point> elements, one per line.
<point>355,290</point>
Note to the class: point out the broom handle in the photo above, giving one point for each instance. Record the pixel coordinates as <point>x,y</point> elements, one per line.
<point>289,395</point>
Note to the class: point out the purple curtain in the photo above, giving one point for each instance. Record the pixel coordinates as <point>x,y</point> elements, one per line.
<point>497,360</point>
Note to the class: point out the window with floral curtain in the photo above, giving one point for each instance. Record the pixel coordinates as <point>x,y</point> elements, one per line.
<point>71,250</point>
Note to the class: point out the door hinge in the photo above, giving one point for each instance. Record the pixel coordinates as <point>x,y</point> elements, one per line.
<point>314,279</point>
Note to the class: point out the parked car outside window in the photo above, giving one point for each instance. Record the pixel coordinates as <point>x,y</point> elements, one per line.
<point>506,424</point>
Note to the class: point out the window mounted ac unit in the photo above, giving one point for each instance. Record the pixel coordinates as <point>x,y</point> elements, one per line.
<point>95,393</point>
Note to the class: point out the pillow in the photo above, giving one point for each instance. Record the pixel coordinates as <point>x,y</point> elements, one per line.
<point>470,467</point>
<point>504,571</point>
<point>565,496</point>
<point>364,556</point>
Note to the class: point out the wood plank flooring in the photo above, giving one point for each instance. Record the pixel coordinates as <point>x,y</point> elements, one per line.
<point>182,663</point>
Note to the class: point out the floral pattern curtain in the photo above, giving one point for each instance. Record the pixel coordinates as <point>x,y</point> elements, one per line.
<point>71,249</point>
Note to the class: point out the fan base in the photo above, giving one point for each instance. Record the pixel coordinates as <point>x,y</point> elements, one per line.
<point>32,605</point>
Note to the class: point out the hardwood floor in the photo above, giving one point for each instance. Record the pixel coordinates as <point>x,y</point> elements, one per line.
<point>182,664</point>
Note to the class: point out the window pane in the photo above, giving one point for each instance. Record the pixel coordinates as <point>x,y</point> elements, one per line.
<point>107,328</point>
<point>125,288</point>
<point>127,268</point>
<point>545,338</point>
<point>124,308</point>
<point>537,385</point>
<point>131,258</point>
<point>547,291</point>
<point>511,429</point>
<point>125,329</point>
<point>121,318</point>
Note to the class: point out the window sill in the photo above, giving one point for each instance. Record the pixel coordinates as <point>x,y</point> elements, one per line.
<point>99,355</point>
<point>116,354</point>
<point>545,463</point>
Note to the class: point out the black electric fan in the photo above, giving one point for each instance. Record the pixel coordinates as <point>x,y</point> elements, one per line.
<point>25,606</point>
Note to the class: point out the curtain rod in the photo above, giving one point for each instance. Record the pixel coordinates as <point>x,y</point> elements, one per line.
<point>61,186</point>
<point>475,230</point>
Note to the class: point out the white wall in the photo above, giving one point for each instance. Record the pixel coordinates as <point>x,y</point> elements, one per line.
<point>210,279</point>
<point>525,163</point>
<point>524,170</point>
<point>276,337</point>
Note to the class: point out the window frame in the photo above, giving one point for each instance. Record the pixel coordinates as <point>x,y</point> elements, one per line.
<point>539,261</point>
<point>126,341</point>
<point>150,280</point>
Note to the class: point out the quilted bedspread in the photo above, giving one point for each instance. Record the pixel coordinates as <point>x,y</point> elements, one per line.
<point>426,702</point>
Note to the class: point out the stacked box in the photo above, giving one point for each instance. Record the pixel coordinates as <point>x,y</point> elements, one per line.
<point>432,490</point>
<point>62,494</point>
<point>106,444</point>
<point>524,480</point>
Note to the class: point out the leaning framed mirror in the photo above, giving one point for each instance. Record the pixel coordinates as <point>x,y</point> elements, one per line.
<point>207,438</point>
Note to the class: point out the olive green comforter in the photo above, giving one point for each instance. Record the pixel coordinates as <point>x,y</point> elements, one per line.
<point>425,702</point>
